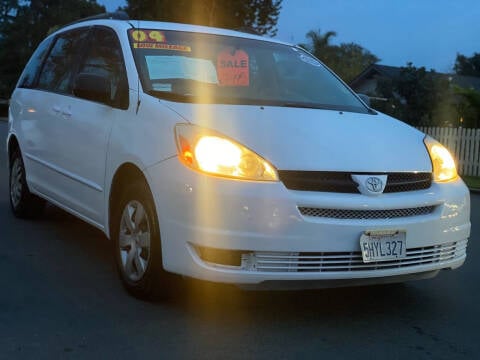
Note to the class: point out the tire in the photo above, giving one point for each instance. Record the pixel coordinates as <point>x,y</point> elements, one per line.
<point>22,202</point>
<point>136,243</point>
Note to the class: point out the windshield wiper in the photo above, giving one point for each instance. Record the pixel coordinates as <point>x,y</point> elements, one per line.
<point>347,108</point>
<point>204,99</point>
<point>302,105</point>
<point>172,96</point>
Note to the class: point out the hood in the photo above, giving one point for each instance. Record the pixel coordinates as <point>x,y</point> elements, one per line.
<point>315,139</point>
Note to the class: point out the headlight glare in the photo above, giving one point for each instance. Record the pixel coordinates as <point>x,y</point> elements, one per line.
<point>215,154</point>
<point>442,161</point>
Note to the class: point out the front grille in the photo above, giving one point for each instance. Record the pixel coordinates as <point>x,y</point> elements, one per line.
<point>318,181</point>
<point>365,214</point>
<point>342,182</point>
<point>400,182</point>
<point>351,261</point>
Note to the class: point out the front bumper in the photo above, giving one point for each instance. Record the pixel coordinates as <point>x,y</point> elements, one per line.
<point>263,220</point>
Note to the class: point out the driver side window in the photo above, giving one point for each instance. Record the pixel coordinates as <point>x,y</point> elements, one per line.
<point>57,71</point>
<point>104,58</point>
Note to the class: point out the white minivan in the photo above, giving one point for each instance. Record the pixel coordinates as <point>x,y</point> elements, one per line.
<point>228,157</point>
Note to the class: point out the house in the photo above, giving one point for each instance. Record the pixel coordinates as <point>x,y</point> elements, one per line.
<point>366,81</point>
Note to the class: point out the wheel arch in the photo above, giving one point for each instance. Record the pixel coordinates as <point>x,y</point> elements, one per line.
<point>126,173</point>
<point>12,145</point>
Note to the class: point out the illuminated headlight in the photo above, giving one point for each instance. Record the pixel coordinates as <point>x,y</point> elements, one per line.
<point>212,153</point>
<point>442,161</point>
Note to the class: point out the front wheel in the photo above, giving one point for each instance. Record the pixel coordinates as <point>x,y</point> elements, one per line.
<point>22,202</point>
<point>136,243</point>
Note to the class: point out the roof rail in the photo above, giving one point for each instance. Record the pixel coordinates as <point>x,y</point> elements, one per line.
<point>116,15</point>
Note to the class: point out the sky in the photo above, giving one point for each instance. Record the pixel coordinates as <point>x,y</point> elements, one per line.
<point>425,32</point>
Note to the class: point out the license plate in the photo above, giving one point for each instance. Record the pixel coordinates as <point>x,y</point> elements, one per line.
<point>383,245</point>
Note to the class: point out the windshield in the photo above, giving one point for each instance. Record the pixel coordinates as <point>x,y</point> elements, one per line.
<point>205,68</point>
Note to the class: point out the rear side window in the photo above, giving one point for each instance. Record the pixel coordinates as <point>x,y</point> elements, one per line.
<point>60,64</point>
<point>27,80</point>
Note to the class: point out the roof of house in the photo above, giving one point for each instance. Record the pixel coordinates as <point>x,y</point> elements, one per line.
<point>394,72</point>
<point>466,81</point>
<point>373,69</point>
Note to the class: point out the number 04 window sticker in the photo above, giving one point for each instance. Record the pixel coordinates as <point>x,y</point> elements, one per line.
<point>153,39</point>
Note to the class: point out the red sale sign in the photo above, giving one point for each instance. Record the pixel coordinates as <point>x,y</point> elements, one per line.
<point>233,68</point>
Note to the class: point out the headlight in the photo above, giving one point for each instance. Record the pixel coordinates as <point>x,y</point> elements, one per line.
<point>442,161</point>
<point>212,153</point>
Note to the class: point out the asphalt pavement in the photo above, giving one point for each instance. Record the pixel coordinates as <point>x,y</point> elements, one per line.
<point>61,299</point>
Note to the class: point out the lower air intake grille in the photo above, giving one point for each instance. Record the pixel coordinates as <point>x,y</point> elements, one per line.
<point>365,214</point>
<point>351,261</point>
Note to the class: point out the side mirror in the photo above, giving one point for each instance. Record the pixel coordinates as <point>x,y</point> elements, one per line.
<point>93,87</point>
<point>365,99</point>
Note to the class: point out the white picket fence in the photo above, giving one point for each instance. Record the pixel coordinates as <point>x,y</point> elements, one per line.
<point>463,143</point>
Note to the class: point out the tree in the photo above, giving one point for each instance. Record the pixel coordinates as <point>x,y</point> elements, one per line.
<point>468,106</point>
<point>468,66</point>
<point>394,105</point>
<point>419,97</point>
<point>23,24</point>
<point>346,59</point>
<point>320,45</point>
<point>258,15</point>
<point>416,86</point>
<point>352,59</point>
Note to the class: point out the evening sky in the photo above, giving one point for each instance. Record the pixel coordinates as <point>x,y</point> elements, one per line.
<point>425,32</point>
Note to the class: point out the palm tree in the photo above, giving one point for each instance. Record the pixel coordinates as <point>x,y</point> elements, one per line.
<point>320,45</point>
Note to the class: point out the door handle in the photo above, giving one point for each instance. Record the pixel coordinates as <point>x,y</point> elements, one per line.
<point>56,109</point>
<point>66,113</point>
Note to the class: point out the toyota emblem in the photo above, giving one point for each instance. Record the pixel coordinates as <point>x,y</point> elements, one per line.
<point>374,184</point>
